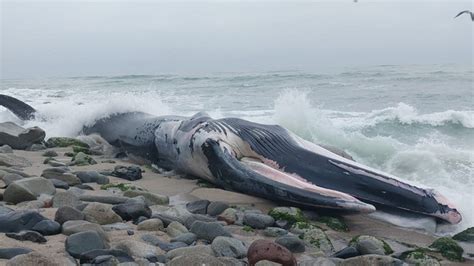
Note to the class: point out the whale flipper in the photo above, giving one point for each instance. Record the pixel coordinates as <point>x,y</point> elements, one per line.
<point>19,108</point>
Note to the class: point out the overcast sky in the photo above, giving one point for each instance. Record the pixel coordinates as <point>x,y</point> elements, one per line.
<point>44,39</point>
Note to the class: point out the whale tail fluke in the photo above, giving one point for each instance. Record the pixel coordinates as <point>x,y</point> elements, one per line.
<point>19,108</point>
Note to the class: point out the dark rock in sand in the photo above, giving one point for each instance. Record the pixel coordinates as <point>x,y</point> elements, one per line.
<point>84,186</point>
<point>141,219</point>
<point>17,221</point>
<point>216,207</point>
<point>266,250</point>
<point>130,232</point>
<point>208,230</point>
<point>131,211</point>
<point>155,241</point>
<point>27,235</point>
<point>18,137</point>
<point>28,189</point>
<point>131,173</point>
<point>47,228</point>
<point>8,253</point>
<point>59,183</point>
<point>92,177</point>
<point>198,206</point>
<point>258,220</point>
<point>50,153</point>
<point>67,213</point>
<point>89,256</point>
<point>78,243</point>
<point>229,247</point>
<point>292,243</point>
<point>347,252</point>
<point>187,238</point>
<point>198,217</point>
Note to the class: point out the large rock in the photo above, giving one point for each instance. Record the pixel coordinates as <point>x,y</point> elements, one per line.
<point>258,220</point>
<point>28,189</point>
<point>130,173</point>
<point>266,250</point>
<point>10,178</point>
<point>72,227</point>
<point>47,228</point>
<point>6,149</point>
<point>229,247</point>
<point>151,225</point>
<point>66,198</point>
<point>27,235</point>
<point>17,221</point>
<point>66,213</point>
<point>12,160</point>
<point>188,238</point>
<point>18,137</point>
<point>150,198</point>
<point>201,249</point>
<point>316,238</point>
<point>370,245</point>
<point>292,243</point>
<point>131,211</point>
<point>33,258</point>
<point>208,230</point>
<point>8,253</point>
<point>216,207</point>
<point>78,243</point>
<point>92,177</point>
<point>101,213</point>
<point>137,249</point>
<point>62,174</point>
<point>175,229</point>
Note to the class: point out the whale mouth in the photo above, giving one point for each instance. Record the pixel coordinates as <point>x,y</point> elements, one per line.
<point>250,176</point>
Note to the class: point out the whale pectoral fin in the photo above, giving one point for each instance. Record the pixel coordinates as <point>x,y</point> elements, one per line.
<point>256,178</point>
<point>19,108</point>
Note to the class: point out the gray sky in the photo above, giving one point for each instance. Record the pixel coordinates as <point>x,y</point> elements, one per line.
<point>43,39</point>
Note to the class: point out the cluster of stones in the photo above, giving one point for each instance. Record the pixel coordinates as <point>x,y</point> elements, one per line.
<point>131,226</point>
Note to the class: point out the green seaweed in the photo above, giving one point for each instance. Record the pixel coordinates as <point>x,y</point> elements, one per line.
<point>247,228</point>
<point>335,223</point>
<point>65,142</point>
<point>448,248</point>
<point>77,149</point>
<point>386,247</point>
<point>291,218</point>
<point>466,235</point>
<point>204,184</point>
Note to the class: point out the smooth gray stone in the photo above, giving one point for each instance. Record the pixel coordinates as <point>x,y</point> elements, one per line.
<point>104,199</point>
<point>17,221</point>
<point>78,243</point>
<point>8,253</point>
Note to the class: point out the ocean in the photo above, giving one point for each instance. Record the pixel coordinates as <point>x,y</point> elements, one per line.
<point>416,122</point>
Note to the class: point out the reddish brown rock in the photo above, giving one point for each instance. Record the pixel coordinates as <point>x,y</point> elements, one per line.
<point>268,250</point>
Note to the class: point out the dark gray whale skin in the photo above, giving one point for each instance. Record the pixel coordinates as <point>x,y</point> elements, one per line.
<point>266,161</point>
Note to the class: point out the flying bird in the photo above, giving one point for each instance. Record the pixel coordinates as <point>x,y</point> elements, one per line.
<point>467,12</point>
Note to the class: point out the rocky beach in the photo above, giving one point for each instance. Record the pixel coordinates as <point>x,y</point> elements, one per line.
<point>71,201</point>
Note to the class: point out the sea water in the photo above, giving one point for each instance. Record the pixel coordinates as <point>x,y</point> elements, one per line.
<point>416,122</point>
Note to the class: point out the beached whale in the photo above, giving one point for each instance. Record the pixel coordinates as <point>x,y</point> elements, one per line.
<point>264,160</point>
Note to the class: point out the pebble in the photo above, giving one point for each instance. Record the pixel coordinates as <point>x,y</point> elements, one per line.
<point>216,207</point>
<point>66,213</point>
<point>151,225</point>
<point>229,247</point>
<point>208,230</point>
<point>258,220</point>
<point>59,184</point>
<point>175,229</point>
<point>78,243</point>
<point>292,243</point>
<point>47,227</point>
<point>262,249</point>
